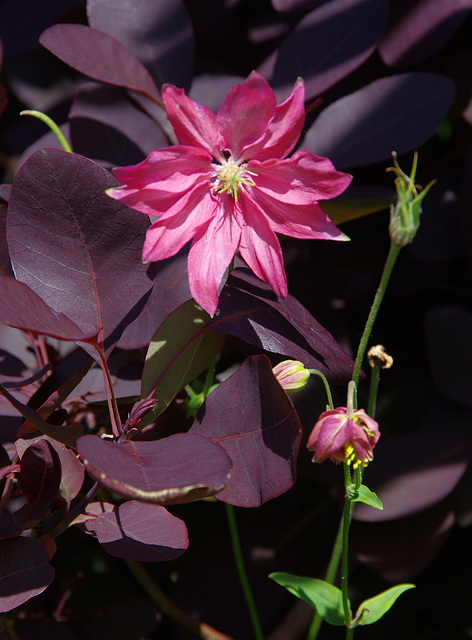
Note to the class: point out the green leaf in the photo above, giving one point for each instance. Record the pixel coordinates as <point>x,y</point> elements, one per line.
<point>179,351</point>
<point>368,497</point>
<point>347,209</point>
<point>319,594</point>
<point>374,608</point>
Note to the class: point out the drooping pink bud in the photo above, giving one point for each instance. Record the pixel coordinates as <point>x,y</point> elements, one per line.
<point>291,374</point>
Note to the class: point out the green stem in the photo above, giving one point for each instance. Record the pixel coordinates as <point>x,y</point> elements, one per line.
<point>238,556</point>
<point>52,125</point>
<point>374,385</point>
<point>389,264</point>
<point>330,575</point>
<point>326,386</point>
<point>345,550</point>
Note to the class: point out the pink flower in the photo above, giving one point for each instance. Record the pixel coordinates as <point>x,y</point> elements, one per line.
<point>344,436</point>
<point>229,185</point>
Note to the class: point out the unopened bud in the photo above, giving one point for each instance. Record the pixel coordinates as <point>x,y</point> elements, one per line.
<point>291,375</point>
<point>405,214</point>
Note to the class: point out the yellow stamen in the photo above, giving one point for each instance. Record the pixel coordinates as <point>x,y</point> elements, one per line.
<point>231,176</point>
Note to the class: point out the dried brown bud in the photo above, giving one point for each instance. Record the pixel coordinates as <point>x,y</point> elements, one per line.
<point>378,357</point>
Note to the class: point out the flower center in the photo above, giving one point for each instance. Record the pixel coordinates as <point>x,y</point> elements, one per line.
<point>230,176</point>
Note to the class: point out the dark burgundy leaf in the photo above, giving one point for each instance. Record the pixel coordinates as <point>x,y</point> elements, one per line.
<point>72,470</point>
<point>99,56</point>
<point>24,571</point>
<point>398,551</point>
<point>169,292</point>
<point>18,384</point>
<point>40,472</point>
<point>448,331</point>
<point>12,524</point>
<point>105,125</point>
<point>5,264</point>
<point>398,113</point>
<point>418,28</point>
<point>250,310</point>
<point>159,34</point>
<point>139,531</point>
<point>12,369</point>
<point>77,248</point>
<point>252,419</point>
<point>173,470</point>
<point>413,472</point>
<point>329,43</point>
<point>66,435</point>
<point>24,309</point>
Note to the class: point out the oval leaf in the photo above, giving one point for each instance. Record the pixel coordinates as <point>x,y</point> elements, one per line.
<point>251,417</point>
<point>24,571</point>
<point>160,35</point>
<point>368,497</point>
<point>179,351</point>
<point>319,594</point>
<point>81,47</point>
<point>309,52</point>
<point>398,113</point>
<point>23,309</point>
<point>374,608</point>
<point>40,472</point>
<point>250,310</point>
<point>142,532</point>
<point>181,468</point>
<point>72,245</point>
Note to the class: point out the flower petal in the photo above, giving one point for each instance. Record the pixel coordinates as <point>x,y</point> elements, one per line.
<point>158,182</point>
<point>287,191</point>
<point>211,253</point>
<point>260,248</point>
<point>245,114</point>
<point>167,235</point>
<point>193,123</point>
<point>284,130</point>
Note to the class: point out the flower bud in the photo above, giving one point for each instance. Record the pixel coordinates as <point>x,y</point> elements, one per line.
<point>405,214</point>
<point>344,435</point>
<point>291,375</point>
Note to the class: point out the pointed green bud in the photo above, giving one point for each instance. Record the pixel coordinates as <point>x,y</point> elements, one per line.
<point>405,214</point>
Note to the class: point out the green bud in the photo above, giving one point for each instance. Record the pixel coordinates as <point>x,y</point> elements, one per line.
<point>291,374</point>
<point>405,214</point>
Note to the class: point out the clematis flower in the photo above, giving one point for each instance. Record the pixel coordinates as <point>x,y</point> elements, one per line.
<point>229,185</point>
<point>344,436</point>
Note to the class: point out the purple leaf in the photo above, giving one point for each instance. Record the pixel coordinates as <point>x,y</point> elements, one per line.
<point>252,419</point>
<point>12,524</point>
<point>181,468</point>
<point>24,309</point>
<point>413,472</point>
<point>169,292</point>
<point>249,309</point>
<point>66,435</point>
<point>24,571</point>
<point>296,5</point>
<point>72,470</point>
<point>159,34</point>
<point>99,56</point>
<point>138,531</point>
<point>398,113</point>
<point>399,550</point>
<point>40,472</point>
<point>418,28</point>
<point>106,126</point>
<point>78,249</point>
<point>329,43</point>
<point>5,264</point>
